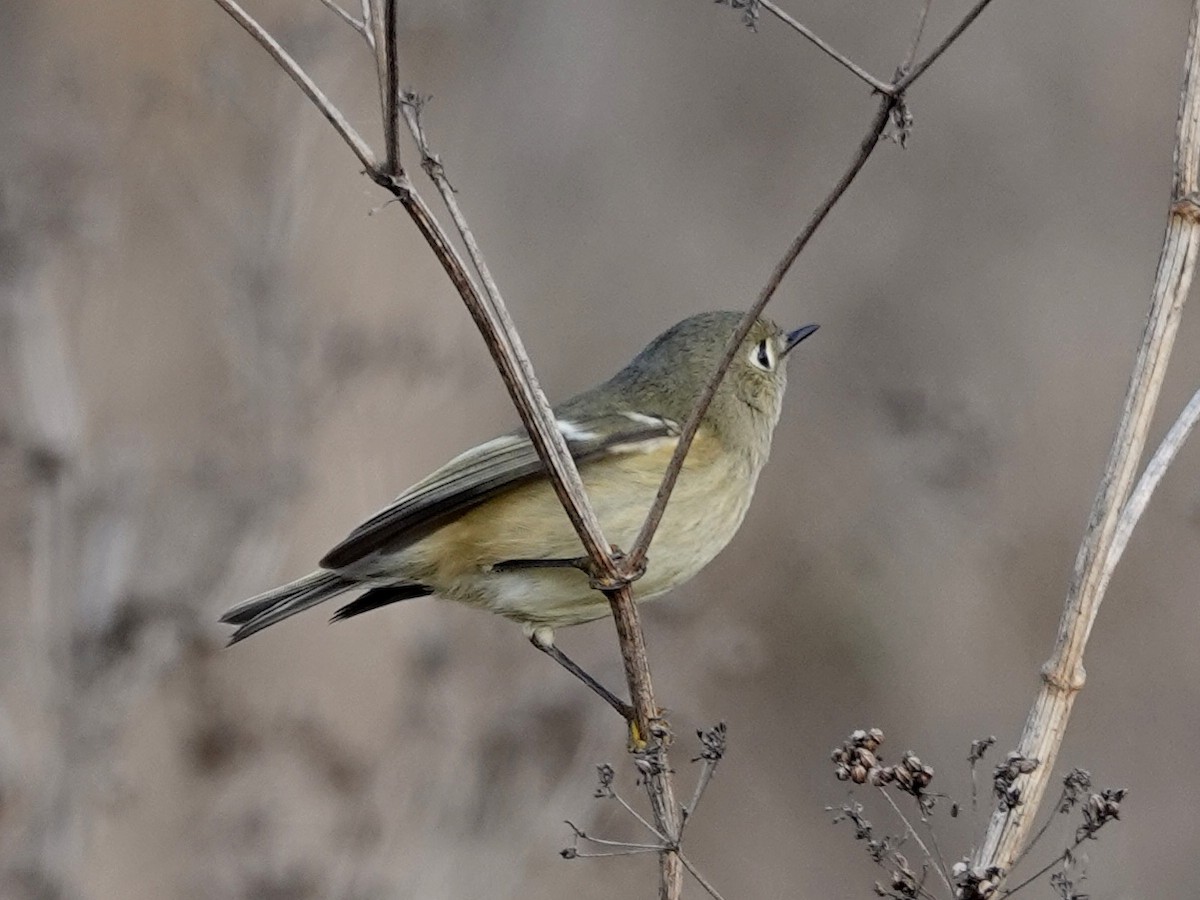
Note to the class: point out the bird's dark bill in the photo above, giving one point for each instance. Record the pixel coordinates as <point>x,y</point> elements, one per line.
<point>795,337</point>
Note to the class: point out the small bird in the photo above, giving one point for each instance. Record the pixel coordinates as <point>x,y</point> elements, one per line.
<point>487,529</point>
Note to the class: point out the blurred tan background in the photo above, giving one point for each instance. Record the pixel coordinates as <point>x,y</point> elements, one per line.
<point>218,353</point>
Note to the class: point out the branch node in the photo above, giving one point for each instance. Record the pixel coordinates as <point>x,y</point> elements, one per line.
<point>1187,208</point>
<point>623,572</point>
<point>1068,682</point>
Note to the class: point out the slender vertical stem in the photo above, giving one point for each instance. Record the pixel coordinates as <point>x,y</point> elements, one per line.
<point>390,86</point>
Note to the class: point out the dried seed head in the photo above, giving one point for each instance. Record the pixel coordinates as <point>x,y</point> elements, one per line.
<point>976,883</point>
<point>1098,811</point>
<point>979,748</point>
<point>857,758</point>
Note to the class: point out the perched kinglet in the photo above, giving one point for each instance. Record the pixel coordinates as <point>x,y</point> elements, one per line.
<point>487,528</point>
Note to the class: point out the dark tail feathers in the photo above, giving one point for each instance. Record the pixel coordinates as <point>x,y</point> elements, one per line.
<point>253,615</point>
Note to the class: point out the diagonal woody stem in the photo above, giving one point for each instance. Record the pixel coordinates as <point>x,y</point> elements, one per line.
<point>890,101</point>
<point>1063,674</point>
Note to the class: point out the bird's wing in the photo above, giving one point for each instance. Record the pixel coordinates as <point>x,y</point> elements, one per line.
<point>484,471</point>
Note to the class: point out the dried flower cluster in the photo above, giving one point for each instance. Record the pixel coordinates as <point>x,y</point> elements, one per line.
<point>1064,886</point>
<point>858,760</point>
<point>713,743</point>
<point>1099,810</point>
<point>853,812</point>
<point>1076,784</point>
<point>979,748</point>
<point>855,759</point>
<point>751,11</point>
<point>1004,778</point>
<point>974,882</point>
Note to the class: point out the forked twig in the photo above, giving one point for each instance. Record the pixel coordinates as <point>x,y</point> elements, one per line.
<point>1151,476</point>
<point>918,32</point>
<point>572,495</point>
<point>305,83</point>
<point>360,27</point>
<point>700,879</point>
<point>515,369</point>
<point>906,81</point>
<point>889,102</point>
<point>638,554</point>
<point>935,861</point>
<point>809,35</point>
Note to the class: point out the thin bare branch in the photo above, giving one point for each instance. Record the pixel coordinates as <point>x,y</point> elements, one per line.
<point>390,86</point>
<point>906,81</point>
<point>638,554</point>
<point>1054,813</point>
<point>706,774</point>
<point>500,335</point>
<point>713,744</point>
<point>642,819</point>
<point>1008,892</point>
<point>354,23</point>
<point>933,860</point>
<point>625,845</point>
<point>700,879</point>
<point>532,404</point>
<point>504,343</point>
<point>918,32</point>
<point>1063,673</point>
<point>890,101</point>
<point>306,84</point>
<point>631,851</point>
<point>809,35</point>
<point>1155,469</point>
<point>939,858</point>
<point>373,18</point>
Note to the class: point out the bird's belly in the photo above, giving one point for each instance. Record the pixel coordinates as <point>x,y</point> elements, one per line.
<point>702,516</point>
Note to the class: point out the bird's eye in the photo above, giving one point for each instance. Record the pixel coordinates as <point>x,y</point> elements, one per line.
<point>762,357</point>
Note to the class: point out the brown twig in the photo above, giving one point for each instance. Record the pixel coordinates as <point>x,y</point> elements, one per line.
<point>1114,510</point>
<point>638,554</point>
<point>550,446</point>
<point>508,351</point>
<point>490,315</point>
<point>391,90</point>
<point>907,80</point>
<point>889,102</point>
<point>360,27</point>
<point>700,879</point>
<point>306,84</point>
<point>918,32</point>
<point>809,35</point>
<point>938,864</point>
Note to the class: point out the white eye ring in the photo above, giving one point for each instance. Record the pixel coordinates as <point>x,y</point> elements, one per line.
<point>762,355</point>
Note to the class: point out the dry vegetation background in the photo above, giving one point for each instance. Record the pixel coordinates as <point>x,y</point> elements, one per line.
<point>255,363</point>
